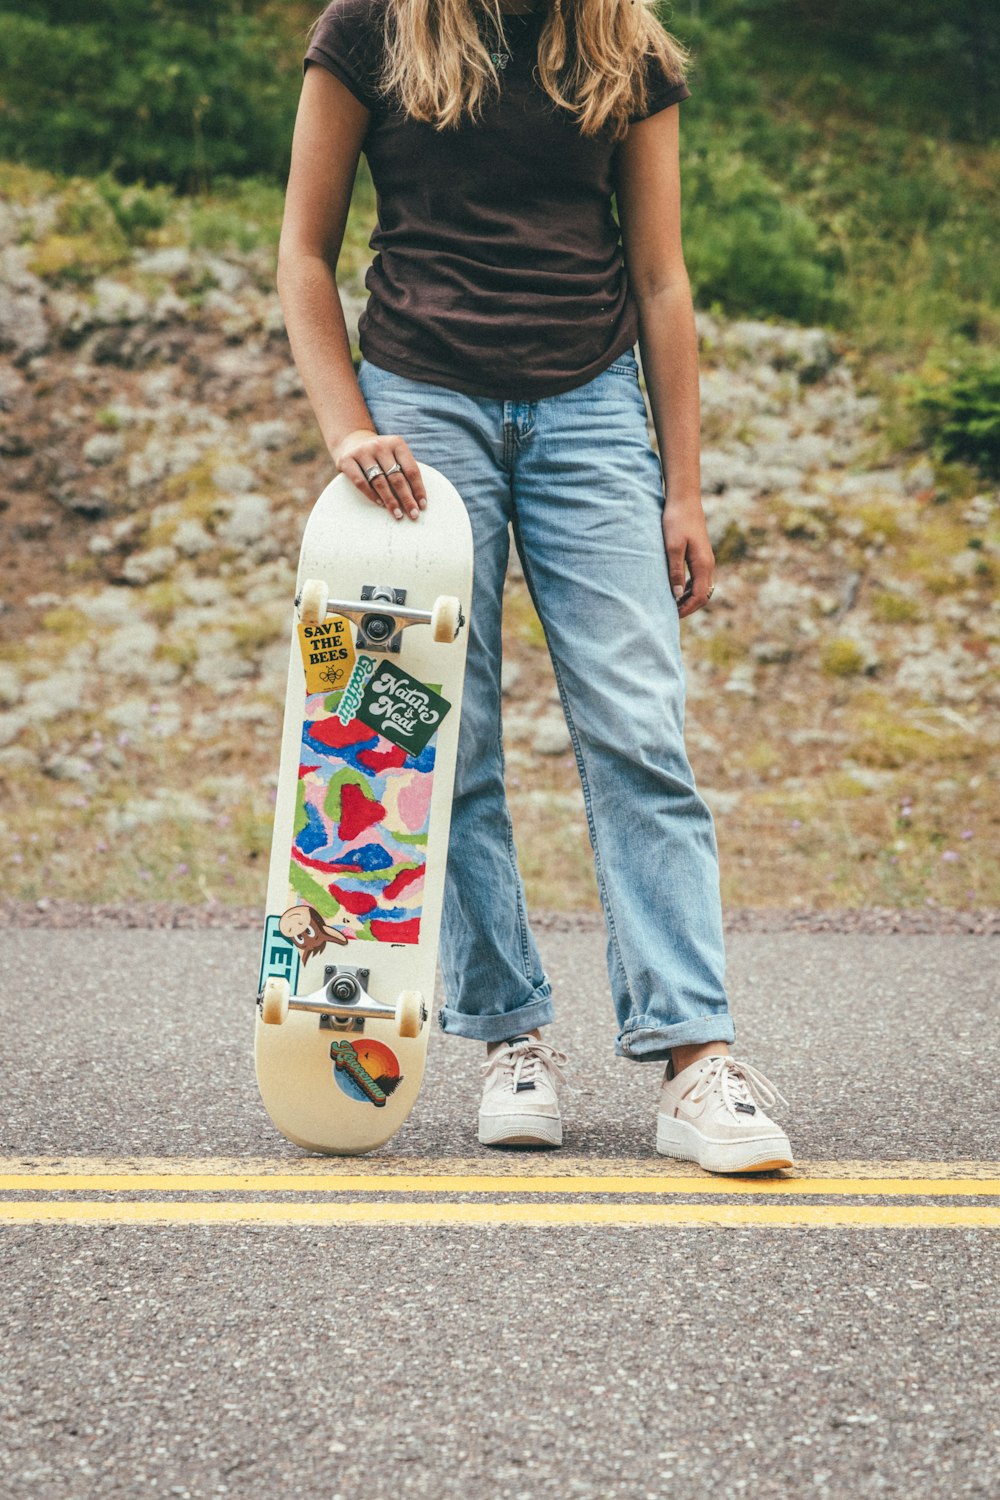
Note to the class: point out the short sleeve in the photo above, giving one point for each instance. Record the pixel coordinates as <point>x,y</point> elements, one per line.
<point>347,42</point>
<point>661,90</point>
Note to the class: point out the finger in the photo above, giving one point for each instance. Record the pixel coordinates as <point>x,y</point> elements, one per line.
<point>702,567</point>
<point>375,486</point>
<point>677,561</point>
<point>380,485</point>
<point>355,471</point>
<point>393,488</point>
<point>391,494</point>
<point>411,471</point>
<point>407,484</point>
<point>690,606</point>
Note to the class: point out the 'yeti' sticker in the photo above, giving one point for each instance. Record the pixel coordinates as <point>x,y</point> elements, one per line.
<point>280,958</point>
<point>401,708</point>
<point>327,654</point>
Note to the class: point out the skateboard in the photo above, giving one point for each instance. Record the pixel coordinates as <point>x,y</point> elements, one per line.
<point>362,815</point>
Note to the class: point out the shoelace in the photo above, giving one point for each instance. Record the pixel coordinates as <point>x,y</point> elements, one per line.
<point>740,1083</point>
<point>524,1060</point>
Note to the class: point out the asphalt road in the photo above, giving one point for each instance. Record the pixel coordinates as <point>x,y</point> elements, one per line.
<point>577,1357</point>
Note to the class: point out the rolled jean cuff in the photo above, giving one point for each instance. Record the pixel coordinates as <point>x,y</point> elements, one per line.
<point>538,1011</point>
<point>654,1043</point>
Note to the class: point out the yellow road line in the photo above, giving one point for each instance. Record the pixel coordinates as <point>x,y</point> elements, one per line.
<point>537,1215</point>
<point>383,1184</point>
<point>496,1167</point>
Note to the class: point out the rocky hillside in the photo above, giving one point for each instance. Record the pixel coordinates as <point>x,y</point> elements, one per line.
<point>158,460</point>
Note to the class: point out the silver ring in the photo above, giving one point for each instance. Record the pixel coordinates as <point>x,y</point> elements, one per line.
<point>396,469</point>
<point>372,472</point>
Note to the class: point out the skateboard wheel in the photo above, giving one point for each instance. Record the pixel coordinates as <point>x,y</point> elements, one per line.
<point>274,1008</point>
<point>409,1012</point>
<point>313,602</point>
<point>445,618</point>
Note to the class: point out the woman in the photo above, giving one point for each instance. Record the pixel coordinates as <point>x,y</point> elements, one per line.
<point>498,346</point>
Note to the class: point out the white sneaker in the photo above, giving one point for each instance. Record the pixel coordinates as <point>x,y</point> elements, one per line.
<point>520,1106</point>
<point>711,1113</point>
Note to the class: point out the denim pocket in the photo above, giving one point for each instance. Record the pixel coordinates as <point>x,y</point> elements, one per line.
<point>625,364</point>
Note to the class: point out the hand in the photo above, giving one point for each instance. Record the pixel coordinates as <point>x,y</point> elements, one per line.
<point>685,534</point>
<point>404,489</point>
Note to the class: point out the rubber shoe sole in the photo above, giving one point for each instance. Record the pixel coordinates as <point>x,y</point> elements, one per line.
<point>519,1130</point>
<point>684,1142</point>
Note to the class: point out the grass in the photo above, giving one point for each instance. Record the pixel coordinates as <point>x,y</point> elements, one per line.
<point>844,846</point>
<point>841,657</point>
<point>894,609</point>
<point>927,831</point>
<point>836,845</point>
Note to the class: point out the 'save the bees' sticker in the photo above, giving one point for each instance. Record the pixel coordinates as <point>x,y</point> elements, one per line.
<point>403,709</point>
<point>327,654</point>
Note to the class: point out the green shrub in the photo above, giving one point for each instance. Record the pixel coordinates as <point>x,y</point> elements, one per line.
<point>854,113</point>
<point>139,210</point>
<point>167,91</point>
<point>841,657</point>
<point>238,215</point>
<point>86,238</point>
<point>749,246</point>
<point>960,412</point>
<point>931,65</point>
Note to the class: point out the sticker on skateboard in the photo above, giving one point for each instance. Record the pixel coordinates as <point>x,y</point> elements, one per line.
<point>279,958</point>
<point>350,698</point>
<point>361,825</point>
<point>365,1070</point>
<point>403,710</point>
<point>308,930</point>
<point>327,654</point>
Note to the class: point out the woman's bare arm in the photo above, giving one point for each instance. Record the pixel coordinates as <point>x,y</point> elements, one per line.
<point>329,128</point>
<point>648,198</point>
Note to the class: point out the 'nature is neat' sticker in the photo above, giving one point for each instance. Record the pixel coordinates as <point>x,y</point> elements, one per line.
<point>403,709</point>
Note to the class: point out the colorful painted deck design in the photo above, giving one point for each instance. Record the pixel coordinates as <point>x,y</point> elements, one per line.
<point>361,824</point>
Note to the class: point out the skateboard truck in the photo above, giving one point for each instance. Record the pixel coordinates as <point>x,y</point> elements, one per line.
<point>342,1003</point>
<point>380,629</point>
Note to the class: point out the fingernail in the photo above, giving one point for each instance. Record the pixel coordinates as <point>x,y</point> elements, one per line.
<point>678,590</point>
<point>398,514</point>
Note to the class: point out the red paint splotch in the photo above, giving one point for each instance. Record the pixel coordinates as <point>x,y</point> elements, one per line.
<point>357,811</point>
<point>333,732</point>
<point>400,882</point>
<point>358,903</point>
<point>383,760</point>
<point>396,932</point>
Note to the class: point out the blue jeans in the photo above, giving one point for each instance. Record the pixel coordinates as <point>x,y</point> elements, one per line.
<point>577,477</point>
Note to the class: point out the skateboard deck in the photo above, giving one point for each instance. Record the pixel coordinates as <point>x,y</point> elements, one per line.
<point>362,814</point>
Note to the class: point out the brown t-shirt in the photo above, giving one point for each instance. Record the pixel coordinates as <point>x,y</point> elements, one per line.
<point>498,268</point>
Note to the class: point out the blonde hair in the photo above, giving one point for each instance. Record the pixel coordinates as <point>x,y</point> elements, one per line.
<point>436,58</point>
